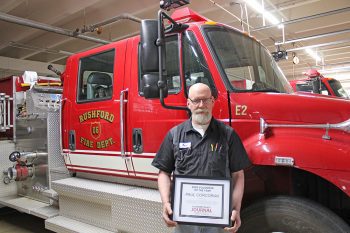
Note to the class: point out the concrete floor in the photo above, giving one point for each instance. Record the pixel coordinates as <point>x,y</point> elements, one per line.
<point>12,221</point>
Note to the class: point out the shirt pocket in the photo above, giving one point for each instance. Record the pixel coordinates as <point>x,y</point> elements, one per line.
<point>218,162</point>
<point>183,160</point>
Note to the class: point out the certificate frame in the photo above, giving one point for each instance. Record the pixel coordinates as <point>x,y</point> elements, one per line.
<point>204,201</point>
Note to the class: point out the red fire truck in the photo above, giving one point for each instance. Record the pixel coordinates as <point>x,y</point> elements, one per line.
<point>317,83</point>
<point>82,158</point>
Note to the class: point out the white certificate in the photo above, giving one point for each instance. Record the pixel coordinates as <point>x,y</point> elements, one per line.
<point>202,201</point>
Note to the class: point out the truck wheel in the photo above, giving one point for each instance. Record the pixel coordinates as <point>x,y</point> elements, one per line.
<point>285,214</point>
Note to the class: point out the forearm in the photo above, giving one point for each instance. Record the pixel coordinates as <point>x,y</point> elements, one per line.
<point>238,189</point>
<point>164,184</point>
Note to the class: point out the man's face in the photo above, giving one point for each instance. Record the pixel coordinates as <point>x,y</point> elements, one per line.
<point>201,103</point>
<point>101,93</point>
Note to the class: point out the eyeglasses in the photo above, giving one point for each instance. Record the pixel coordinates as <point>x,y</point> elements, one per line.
<point>204,101</point>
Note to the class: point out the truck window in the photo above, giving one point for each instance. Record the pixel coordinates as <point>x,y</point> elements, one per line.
<point>95,81</point>
<point>338,88</point>
<point>244,63</point>
<point>172,64</point>
<point>194,65</point>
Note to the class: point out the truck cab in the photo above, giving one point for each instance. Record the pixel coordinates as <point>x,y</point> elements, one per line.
<point>122,130</point>
<point>317,83</point>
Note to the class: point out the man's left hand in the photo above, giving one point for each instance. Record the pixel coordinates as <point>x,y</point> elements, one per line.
<point>236,220</point>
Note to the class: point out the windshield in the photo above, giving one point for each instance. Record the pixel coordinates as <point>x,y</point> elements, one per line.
<point>246,64</point>
<point>338,88</point>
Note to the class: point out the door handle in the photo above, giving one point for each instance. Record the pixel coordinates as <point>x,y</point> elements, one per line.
<point>72,139</point>
<point>137,144</point>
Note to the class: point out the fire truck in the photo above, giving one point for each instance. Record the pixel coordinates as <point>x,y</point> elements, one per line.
<point>317,83</point>
<point>77,151</point>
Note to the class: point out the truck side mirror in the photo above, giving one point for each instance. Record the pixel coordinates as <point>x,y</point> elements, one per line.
<point>152,49</point>
<point>316,86</point>
<point>150,86</point>
<point>149,49</point>
<point>152,56</point>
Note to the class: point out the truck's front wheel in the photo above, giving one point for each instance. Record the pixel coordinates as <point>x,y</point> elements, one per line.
<point>284,214</point>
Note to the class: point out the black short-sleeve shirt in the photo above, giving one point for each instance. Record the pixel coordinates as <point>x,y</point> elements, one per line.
<point>218,153</point>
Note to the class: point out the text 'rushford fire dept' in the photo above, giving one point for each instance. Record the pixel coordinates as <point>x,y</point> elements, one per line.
<point>96,129</point>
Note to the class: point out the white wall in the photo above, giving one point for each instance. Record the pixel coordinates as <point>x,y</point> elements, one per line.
<point>12,66</point>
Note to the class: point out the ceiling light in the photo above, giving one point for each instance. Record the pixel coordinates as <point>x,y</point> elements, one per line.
<point>260,9</point>
<point>38,49</point>
<point>313,54</point>
<point>336,70</point>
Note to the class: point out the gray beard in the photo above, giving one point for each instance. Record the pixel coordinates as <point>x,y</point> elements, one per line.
<point>201,119</point>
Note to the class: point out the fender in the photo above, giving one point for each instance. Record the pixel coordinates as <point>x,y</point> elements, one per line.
<point>304,149</point>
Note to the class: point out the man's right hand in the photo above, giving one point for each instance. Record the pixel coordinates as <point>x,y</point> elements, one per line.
<point>166,212</point>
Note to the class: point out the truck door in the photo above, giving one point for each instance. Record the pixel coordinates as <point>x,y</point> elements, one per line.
<point>94,124</point>
<point>148,121</point>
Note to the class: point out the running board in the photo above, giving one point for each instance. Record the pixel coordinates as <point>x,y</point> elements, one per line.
<point>110,206</point>
<point>30,206</point>
<point>67,225</point>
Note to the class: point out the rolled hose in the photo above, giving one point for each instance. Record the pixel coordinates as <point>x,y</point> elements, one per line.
<point>47,89</point>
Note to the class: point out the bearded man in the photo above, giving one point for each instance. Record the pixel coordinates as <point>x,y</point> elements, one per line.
<point>201,146</point>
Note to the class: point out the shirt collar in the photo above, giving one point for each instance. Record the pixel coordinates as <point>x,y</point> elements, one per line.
<point>212,126</point>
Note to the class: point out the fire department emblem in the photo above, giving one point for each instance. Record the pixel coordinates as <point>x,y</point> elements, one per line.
<point>95,130</point>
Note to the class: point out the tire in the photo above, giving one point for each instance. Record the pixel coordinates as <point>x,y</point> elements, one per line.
<point>286,214</point>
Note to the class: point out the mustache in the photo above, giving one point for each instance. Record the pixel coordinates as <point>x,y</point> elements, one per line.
<point>199,111</point>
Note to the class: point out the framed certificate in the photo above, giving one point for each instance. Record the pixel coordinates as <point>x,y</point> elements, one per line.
<point>202,200</point>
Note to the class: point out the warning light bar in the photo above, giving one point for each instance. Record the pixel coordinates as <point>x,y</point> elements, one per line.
<point>172,4</point>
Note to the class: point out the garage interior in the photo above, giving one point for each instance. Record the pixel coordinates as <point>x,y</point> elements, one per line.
<point>301,34</point>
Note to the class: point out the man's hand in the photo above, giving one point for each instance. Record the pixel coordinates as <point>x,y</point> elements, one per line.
<point>236,220</point>
<point>166,212</point>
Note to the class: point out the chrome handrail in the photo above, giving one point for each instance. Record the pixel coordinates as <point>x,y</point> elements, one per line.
<point>344,126</point>
<point>122,131</point>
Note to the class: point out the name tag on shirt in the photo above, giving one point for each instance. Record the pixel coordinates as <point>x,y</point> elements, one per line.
<point>184,145</point>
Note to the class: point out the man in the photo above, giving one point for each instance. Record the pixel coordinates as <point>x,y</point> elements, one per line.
<point>100,92</point>
<point>189,149</point>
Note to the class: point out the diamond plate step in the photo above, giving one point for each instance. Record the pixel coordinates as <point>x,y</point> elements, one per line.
<point>110,206</point>
<point>66,225</point>
<point>30,206</point>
